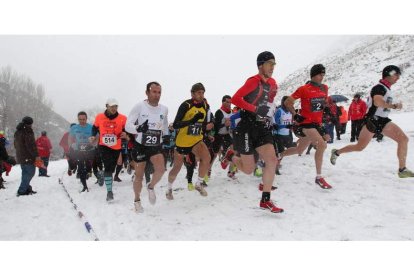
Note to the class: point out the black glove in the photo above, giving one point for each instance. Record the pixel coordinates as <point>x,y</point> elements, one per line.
<point>166,139</point>
<point>143,127</point>
<point>262,110</point>
<point>197,117</point>
<point>298,118</point>
<point>11,160</point>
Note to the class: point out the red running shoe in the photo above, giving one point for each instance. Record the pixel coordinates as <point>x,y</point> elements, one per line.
<point>322,183</point>
<point>226,159</point>
<point>261,187</point>
<point>269,205</point>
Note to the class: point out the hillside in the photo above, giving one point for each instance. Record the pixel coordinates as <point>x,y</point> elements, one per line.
<point>358,69</point>
<point>21,97</point>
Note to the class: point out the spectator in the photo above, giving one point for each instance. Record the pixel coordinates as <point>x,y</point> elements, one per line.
<point>26,154</point>
<point>343,119</point>
<point>44,147</point>
<point>356,114</point>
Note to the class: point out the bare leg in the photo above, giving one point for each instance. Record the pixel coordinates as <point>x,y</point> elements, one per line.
<point>395,133</point>
<point>268,155</point>
<point>159,169</point>
<point>200,150</point>
<point>364,138</point>
<point>139,174</point>
<point>320,144</point>
<point>178,163</point>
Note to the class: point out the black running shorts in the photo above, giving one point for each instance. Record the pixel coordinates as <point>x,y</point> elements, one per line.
<point>376,124</point>
<point>250,134</point>
<point>141,153</point>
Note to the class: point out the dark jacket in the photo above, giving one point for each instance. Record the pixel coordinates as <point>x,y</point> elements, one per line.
<point>25,144</point>
<point>3,152</point>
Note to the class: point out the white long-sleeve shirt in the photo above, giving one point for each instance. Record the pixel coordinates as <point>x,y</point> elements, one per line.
<point>157,117</point>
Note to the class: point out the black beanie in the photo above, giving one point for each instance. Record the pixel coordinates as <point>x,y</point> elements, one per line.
<point>27,120</point>
<point>390,70</point>
<point>263,57</point>
<point>197,86</point>
<point>316,70</point>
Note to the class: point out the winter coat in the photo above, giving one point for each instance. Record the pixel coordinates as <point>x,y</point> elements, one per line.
<point>25,144</point>
<point>343,118</point>
<point>43,146</point>
<point>357,110</point>
<point>3,152</point>
<point>64,142</point>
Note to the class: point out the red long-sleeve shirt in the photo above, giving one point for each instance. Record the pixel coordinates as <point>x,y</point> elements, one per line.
<point>254,92</point>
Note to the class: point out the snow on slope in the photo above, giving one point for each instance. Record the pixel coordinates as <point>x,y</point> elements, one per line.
<point>357,70</point>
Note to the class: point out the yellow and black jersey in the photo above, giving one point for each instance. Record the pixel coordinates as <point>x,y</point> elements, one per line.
<point>190,131</point>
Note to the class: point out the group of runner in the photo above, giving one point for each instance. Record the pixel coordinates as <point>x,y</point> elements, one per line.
<point>243,137</point>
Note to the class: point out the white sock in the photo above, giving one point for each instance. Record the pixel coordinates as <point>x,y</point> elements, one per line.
<point>169,186</point>
<point>199,180</point>
<point>318,176</point>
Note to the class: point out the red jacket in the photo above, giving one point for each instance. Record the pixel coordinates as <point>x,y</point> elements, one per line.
<point>343,119</point>
<point>64,142</point>
<point>43,146</point>
<point>357,110</point>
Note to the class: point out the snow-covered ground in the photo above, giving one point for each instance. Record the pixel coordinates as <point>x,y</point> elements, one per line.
<point>368,202</point>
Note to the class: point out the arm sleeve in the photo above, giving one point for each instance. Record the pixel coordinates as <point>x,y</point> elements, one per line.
<point>233,119</point>
<point>297,94</point>
<point>238,99</point>
<point>132,120</point>
<point>95,127</point>
<point>218,117</point>
<point>95,130</point>
<point>364,108</point>
<point>178,121</point>
<point>30,144</point>
<point>165,126</point>
<point>277,117</point>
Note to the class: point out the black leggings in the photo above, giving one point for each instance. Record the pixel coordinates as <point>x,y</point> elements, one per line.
<point>109,158</point>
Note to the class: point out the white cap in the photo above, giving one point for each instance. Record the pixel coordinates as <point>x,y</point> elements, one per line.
<point>111,102</point>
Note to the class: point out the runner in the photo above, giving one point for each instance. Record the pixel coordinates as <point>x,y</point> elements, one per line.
<point>110,126</point>
<point>222,138</point>
<point>376,121</point>
<point>253,132</point>
<point>189,121</point>
<point>80,148</point>
<point>313,96</point>
<point>148,120</point>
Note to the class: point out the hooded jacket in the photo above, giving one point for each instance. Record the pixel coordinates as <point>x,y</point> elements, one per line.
<point>25,144</point>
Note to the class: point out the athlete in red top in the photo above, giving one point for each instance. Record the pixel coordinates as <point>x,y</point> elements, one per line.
<point>253,132</point>
<point>313,96</point>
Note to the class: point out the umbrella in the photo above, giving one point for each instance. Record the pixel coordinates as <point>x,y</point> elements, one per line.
<point>339,98</point>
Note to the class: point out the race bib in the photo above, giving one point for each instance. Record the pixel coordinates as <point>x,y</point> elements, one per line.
<point>109,140</point>
<point>151,138</point>
<point>317,104</point>
<point>194,129</point>
<point>85,147</point>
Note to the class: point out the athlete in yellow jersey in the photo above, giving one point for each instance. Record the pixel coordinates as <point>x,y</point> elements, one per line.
<point>190,122</point>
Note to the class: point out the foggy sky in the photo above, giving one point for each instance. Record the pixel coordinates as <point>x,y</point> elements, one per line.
<point>80,72</point>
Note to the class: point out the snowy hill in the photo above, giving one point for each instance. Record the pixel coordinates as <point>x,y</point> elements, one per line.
<point>368,202</point>
<point>358,69</point>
